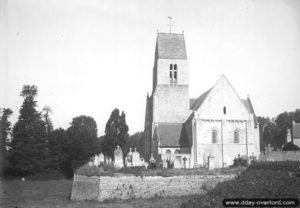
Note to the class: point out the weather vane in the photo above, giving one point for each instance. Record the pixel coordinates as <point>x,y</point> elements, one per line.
<point>170,25</point>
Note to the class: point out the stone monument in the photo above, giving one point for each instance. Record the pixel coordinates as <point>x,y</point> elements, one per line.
<point>136,158</point>
<point>118,162</point>
<point>211,162</point>
<point>177,162</point>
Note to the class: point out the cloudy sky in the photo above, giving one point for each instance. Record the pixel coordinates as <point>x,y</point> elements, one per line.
<point>89,57</point>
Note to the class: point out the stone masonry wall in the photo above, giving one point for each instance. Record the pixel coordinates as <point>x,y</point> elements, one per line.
<point>127,187</point>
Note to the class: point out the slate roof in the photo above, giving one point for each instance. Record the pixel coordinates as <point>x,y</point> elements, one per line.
<point>198,102</point>
<point>296,130</point>
<point>170,135</point>
<point>170,46</point>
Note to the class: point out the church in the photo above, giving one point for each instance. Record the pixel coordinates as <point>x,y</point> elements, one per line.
<point>217,125</point>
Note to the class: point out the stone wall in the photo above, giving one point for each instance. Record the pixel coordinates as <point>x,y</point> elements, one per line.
<point>280,156</point>
<point>128,187</point>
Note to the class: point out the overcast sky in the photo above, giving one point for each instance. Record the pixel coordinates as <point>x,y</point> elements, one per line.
<point>89,57</point>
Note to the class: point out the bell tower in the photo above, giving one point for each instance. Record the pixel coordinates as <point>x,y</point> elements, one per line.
<point>170,79</point>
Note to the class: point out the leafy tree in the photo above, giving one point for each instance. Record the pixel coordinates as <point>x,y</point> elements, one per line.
<point>273,131</point>
<point>136,141</point>
<point>29,153</point>
<point>46,115</point>
<point>269,133</point>
<point>59,148</point>
<point>5,128</point>
<point>116,134</point>
<point>83,135</point>
<point>296,116</point>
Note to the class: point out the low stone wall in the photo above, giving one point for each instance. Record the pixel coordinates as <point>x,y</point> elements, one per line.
<point>127,187</point>
<point>280,156</point>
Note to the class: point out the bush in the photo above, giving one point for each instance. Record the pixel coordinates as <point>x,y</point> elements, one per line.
<point>290,147</point>
<point>240,162</point>
<point>249,184</point>
<point>152,166</point>
<point>170,164</point>
<point>276,166</point>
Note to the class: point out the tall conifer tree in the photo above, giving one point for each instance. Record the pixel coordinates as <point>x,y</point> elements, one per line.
<point>29,153</point>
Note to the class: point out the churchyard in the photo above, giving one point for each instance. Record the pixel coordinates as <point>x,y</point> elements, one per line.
<point>260,180</point>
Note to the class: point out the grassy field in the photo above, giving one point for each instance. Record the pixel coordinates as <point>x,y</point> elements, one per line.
<point>262,180</point>
<point>56,194</point>
<point>252,183</point>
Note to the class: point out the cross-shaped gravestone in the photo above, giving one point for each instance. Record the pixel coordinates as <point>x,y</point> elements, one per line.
<point>269,149</point>
<point>184,162</point>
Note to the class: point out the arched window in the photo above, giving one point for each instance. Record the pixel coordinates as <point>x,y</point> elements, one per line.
<point>224,109</point>
<point>177,151</point>
<point>236,136</point>
<point>214,136</point>
<point>168,152</point>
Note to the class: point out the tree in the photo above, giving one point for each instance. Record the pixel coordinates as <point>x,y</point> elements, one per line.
<point>59,148</point>
<point>29,151</point>
<point>136,141</point>
<point>46,115</point>
<point>5,128</point>
<point>116,134</point>
<point>269,133</point>
<point>273,131</point>
<point>83,136</point>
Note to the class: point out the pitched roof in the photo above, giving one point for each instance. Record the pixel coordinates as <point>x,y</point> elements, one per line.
<point>192,100</point>
<point>198,102</point>
<point>170,135</point>
<point>296,130</point>
<point>170,46</point>
<point>247,103</point>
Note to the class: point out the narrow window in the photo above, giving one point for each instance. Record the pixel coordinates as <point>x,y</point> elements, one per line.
<point>224,109</point>
<point>214,136</point>
<point>168,152</point>
<point>175,71</point>
<point>171,71</point>
<point>236,136</point>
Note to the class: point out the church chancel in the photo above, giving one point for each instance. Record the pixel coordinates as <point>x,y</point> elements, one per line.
<point>214,128</point>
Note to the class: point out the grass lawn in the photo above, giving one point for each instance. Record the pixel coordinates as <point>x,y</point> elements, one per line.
<point>55,194</point>
<point>252,183</point>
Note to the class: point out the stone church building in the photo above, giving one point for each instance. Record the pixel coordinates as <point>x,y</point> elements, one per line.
<point>218,124</point>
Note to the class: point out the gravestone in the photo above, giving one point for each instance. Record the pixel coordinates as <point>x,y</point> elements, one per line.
<point>101,158</point>
<point>118,162</point>
<point>96,161</point>
<point>152,160</point>
<point>177,162</point>
<point>165,164</point>
<point>136,160</point>
<point>184,162</point>
<point>211,162</point>
<point>288,136</point>
<point>129,158</point>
